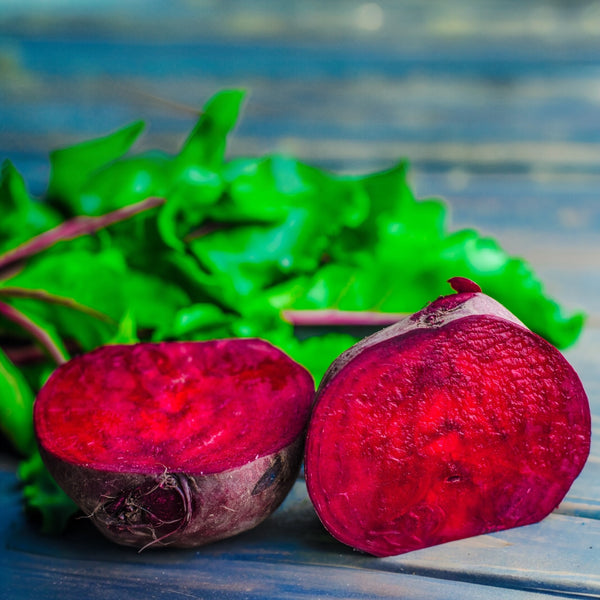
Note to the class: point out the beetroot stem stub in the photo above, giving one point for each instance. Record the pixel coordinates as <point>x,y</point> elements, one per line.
<point>158,510</point>
<point>444,428</point>
<point>464,285</point>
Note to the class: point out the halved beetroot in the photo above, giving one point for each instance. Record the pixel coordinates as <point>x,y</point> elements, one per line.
<point>454,422</point>
<point>178,443</point>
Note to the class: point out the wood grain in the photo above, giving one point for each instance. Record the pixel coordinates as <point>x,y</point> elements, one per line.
<point>494,103</point>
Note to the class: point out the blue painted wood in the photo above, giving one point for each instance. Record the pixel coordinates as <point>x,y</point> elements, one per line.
<point>496,105</point>
<point>291,556</point>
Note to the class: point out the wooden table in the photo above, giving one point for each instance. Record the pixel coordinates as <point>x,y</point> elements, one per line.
<point>497,106</point>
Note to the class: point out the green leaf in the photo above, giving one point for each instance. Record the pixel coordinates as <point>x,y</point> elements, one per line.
<point>126,332</point>
<point>16,406</point>
<point>338,286</point>
<point>22,216</point>
<point>95,280</point>
<point>197,321</point>
<point>389,192</point>
<point>249,258</point>
<point>194,190</point>
<point>299,210</point>
<point>123,182</point>
<point>266,189</point>
<point>263,190</point>
<point>206,144</point>
<point>13,192</point>
<point>183,270</point>
<point>153,302</point>
<point>72,166</point>
<point>396,221</point>
<point>281,296</point>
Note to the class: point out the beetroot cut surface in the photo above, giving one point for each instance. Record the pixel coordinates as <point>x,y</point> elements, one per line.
<point>178,443</point>
<point>454,422</point>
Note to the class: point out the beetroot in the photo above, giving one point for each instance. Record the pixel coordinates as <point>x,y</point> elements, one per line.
<point>455,421</point>
<point>178,443</point>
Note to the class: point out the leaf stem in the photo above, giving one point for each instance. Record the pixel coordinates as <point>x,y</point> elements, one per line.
<point>334,317</point>
<point>74,228</point>
<point>44,296</point>
<point>16,316</point>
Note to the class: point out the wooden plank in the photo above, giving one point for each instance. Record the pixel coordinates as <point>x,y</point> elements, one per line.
<point>291,556</point>
<point>238,579</point>
<point>558,554</point>
<point>495,103</point>
<point>347,122</point>
<point>490,107</point>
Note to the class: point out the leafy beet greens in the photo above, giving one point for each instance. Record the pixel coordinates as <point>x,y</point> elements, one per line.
<point>129,246</point>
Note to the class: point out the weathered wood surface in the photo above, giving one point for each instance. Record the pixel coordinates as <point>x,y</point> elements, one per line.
<point>497,107</point>
<point>291,556</point>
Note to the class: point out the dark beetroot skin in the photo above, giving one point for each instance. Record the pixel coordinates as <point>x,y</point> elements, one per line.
<point>178,443</point>
<point>454,422</point>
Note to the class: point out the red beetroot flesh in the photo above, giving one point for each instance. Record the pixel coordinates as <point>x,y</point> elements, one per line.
<point>177,442</point>
<point>452,423</point>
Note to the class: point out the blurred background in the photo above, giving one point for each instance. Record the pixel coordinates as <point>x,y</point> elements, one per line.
<point>496,104</point>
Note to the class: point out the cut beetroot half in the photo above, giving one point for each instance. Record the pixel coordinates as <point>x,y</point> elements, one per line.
<point>454,422</point>
<point>179,443</point>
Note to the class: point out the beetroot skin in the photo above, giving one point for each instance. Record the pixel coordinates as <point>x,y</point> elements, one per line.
<point>178,443</point>
<point>454,422</point>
